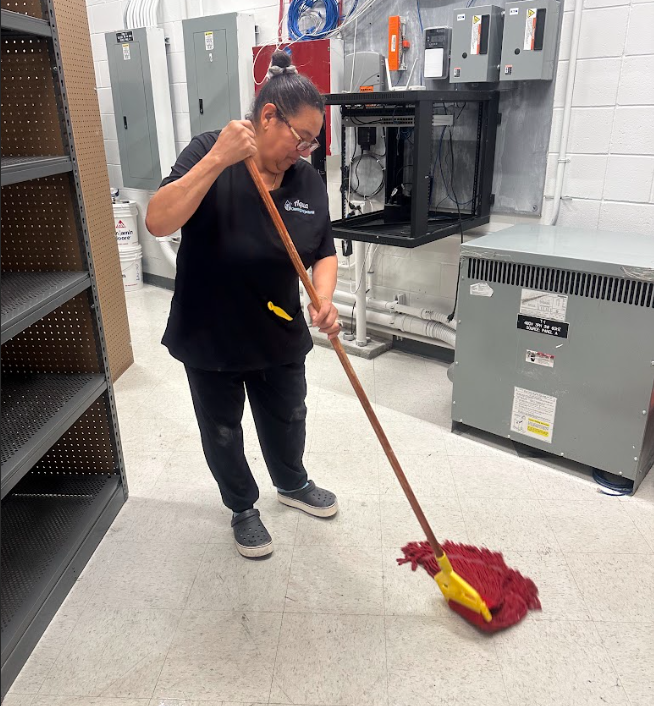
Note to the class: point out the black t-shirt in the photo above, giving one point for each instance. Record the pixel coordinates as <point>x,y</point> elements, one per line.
<point>232,266</point>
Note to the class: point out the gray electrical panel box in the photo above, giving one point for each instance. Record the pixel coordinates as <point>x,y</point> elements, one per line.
<point>368,73</point>
<point>555,343</point>
<point>141,97</point>
<point>531,34</point>
<point>476,44</point>
<point>218,53</point>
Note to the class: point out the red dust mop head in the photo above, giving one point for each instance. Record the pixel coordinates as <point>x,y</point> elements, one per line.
<point>508,594</point>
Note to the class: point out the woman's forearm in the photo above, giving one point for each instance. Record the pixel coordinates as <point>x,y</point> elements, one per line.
<point>325,273</point>
<point>172,206</point>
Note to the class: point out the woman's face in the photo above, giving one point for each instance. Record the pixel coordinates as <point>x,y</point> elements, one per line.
<point>277,139</point>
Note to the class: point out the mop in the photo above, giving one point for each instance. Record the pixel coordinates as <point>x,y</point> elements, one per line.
<point>476,583</point>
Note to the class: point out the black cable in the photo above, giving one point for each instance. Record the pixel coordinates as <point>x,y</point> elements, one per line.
<point>458,210</point>
<point>358,159</point>
<point>401,169</point>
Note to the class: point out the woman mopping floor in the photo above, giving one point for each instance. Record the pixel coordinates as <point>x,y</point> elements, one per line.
<point>236,321</point>
<point>232,252</point>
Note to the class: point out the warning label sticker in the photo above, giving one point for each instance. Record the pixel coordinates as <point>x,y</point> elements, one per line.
<point>126,52</point>
<point>481,289</point>
<point>543,305</point>
<point>530,30</point>
<point>208,41</point>
<point>537,358</point>
<point>533,414</point>
<point>475,44</point>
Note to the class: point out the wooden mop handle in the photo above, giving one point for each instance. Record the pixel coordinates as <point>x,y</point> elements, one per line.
<point>345,361</point>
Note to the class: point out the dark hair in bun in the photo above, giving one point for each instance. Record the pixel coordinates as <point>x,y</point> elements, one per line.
<point>281,59</point>
<point>287,89</point>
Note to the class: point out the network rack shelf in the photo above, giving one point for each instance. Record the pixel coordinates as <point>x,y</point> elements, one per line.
<point>415,222</point>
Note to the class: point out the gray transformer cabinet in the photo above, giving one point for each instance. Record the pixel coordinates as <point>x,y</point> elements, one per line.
<point>142,107</point>
<point>555,345</point>
<point>218,51</point>
<point>531,32</point>
<point>476,44</point>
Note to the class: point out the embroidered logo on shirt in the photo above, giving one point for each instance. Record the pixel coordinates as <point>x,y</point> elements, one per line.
<point>299,207</point>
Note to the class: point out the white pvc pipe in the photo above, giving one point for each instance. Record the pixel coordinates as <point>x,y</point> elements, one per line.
<point>395,307</point>
<point>155,10</point>
<point>305,299</point>
<point>427,314</point>
<point>412,327</point>
<point>169,252</point>
<point>567,111</point>
<point>359,249</point>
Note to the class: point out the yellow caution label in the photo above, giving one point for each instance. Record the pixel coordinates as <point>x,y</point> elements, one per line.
<point>531,13</point>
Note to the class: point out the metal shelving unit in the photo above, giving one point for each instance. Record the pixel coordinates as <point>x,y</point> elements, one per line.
<point>62,473</point>
<point>29,296</point>
<point>37,410</point>
<point>17,169</point>
<point>18,23</point>
<point>49,533</point>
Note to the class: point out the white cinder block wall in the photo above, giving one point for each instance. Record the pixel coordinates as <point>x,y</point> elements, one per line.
<point>609,180</point>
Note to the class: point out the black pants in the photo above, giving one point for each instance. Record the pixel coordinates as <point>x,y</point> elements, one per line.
<point>277,398</point>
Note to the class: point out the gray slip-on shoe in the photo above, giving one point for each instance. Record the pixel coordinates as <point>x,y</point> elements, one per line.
<point>312,499</point>
<point>252,538</point>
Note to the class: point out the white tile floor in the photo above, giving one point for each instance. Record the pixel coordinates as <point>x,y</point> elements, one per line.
<point>168,614</point>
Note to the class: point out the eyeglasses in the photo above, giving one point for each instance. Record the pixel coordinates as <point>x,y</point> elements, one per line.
<point>302,145</point>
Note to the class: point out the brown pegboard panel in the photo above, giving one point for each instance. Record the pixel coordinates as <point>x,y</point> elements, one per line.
<point>31,122</point>
<point>62,342</point>
<point>85,448</point>
<point>33,8</point>
<point>40,232</point>
<point>75,55</point>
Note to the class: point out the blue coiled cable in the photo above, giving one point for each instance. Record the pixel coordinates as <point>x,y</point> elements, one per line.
<point>297,8</point>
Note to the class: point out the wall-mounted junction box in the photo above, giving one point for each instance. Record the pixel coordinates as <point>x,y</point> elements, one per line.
<point>531,34</point>
<point>476,44</point>
<point>437,52</point>
<point>141,97</point>
<point>218,69</point>
<point>367,75</point>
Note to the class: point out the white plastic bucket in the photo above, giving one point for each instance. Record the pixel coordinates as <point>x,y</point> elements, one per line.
<point>125,221</point>
<point>131,266</point>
